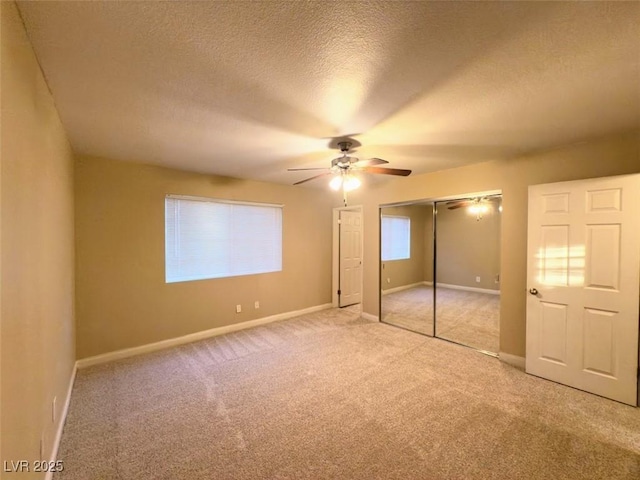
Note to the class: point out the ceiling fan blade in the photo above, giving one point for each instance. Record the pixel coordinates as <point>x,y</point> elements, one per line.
<point>458,205</point>
<point>370,161</point>
<point>313,178</point>
<point>462,202</point>
<point>386,171</point>
<point>300,169</point>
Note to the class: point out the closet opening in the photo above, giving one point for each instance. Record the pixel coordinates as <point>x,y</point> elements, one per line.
<point>440,268</point>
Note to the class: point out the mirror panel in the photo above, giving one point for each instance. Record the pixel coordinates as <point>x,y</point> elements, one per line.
<point>406,277</point>
<point>467,292</point>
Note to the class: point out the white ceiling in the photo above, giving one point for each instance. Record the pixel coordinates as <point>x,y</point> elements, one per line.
<point>248,89</point>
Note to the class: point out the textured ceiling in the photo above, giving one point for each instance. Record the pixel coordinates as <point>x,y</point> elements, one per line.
<point>248,89</point>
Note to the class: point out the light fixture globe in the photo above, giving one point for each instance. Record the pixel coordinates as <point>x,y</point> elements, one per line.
<point>351,182</point>
<point>336,182</point>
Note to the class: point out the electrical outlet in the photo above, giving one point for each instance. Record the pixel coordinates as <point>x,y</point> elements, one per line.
<point>53,409</point>
<point>256,305</point>
<point>238,308</point>
<point>477,279</point>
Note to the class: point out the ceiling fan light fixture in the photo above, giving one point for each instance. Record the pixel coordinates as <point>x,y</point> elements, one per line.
<point>477,209</point>
<point>351,182</point>
<point>336,182</point>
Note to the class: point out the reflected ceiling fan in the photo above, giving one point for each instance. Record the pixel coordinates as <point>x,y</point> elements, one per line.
<point>469,202</point>
<point>477,206</point>
<point>344,167</point>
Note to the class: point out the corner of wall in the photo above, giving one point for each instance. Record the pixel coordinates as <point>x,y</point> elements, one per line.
<point>37,253</point>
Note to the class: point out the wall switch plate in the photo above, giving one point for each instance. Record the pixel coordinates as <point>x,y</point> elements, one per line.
<point>477,279</point>
<point>257,304</point>
<point>238,308</point>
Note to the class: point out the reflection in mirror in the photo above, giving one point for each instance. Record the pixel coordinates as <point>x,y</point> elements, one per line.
<point>406,267</point>
<point>468,272</point>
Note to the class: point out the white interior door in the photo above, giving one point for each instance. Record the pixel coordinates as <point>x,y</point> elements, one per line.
<point>350,281</point>
<point>583,280</point>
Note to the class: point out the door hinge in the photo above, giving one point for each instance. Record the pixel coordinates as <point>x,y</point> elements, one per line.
<point>339,292</point>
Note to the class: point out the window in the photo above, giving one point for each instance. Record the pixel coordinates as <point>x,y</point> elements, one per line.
<point>206,238</point>
<point>396,237</point>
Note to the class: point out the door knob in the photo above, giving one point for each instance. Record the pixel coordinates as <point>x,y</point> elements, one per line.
<point>533,291</point>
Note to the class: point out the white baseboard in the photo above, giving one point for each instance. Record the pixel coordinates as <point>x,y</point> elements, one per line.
<point>513,360</point>
<point>404,287</point>
<point>193,337</point>
<point>369,316</point>
<point>63,418</point>
<point>468,289</point>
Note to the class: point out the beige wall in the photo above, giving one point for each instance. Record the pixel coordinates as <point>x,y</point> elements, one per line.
<point>468,248</point>
<point>618,154</point>
<point>37,257</point>
<point>428,244</point>
<point>122,298</point>
<point>398,273</point>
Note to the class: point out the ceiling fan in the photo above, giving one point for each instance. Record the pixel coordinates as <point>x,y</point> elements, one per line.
<point>468,202</point>
<point>477,206</point>
<point>343,168</point>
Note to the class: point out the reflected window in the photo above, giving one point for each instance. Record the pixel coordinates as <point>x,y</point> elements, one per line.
<point>396,237</point>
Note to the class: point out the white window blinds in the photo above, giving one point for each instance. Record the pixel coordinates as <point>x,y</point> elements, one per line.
<point>396,237</point>
<point>206,238</point>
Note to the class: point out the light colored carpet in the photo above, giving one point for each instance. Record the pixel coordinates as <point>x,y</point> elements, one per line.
<point>468,318</point>
<point>411,309</point>
<point>332,396</point>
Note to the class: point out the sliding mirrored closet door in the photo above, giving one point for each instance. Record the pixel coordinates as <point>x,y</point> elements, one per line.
<point>406,267</point>
<point>467,286</point>
<point>457,242</point>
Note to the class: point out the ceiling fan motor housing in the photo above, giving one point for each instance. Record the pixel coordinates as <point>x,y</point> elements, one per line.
<point>342,163</point>
<point>344,146</point>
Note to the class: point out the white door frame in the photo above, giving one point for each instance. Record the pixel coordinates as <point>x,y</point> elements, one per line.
<point>335,276</point>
